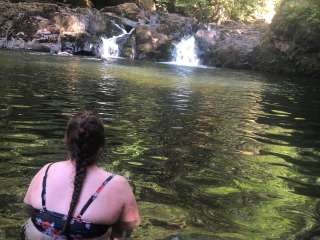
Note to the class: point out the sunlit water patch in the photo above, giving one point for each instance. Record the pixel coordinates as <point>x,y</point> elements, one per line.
<point>210,153</point>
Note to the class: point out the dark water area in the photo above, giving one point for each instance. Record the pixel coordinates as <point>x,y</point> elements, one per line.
<point>210,153</point>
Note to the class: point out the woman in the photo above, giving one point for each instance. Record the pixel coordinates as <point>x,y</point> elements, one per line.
<point>75,199</point>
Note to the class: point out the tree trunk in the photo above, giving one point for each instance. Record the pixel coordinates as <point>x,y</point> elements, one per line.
<point>171,6</point>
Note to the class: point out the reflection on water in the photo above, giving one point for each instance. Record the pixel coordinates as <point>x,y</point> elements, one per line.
<point>211,154</point>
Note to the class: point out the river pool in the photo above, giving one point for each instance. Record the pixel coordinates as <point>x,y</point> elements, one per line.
<point>210,153</point>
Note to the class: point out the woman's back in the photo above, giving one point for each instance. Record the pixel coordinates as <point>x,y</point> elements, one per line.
<point>105,209</point>
<point>75,199</point>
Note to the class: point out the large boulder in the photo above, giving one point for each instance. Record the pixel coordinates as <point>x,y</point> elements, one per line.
<point>53,28</point>
<point>155,33</point>
<point>127,10</point>
<point>150,44</point>
<point>27,26</point>
<point>155,40</point>
<point>99,4</point>
<point>71,3</point>
<point>148,5</point>
<point>177,26</point>
<point>230,45</point>
<point>128,49</point>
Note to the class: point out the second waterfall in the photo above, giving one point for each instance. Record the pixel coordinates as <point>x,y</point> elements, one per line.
<point>110,47</point>
<point>185,53</point>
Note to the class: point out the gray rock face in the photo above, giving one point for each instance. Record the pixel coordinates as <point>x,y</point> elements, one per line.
<point>231,45</point>
<point>127,10</point>
<point>156,40</point>
<point>150,44</point>
<point>154,33</point>
<point>52,28</point>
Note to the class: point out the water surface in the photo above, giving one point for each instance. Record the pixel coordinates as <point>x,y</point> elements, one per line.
<point>210,153</point>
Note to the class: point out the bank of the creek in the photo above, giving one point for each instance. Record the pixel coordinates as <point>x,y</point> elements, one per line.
<point>290,45</point>
<point>211,153</point>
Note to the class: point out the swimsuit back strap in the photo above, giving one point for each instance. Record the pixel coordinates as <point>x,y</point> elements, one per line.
<point>44,184</point>
<point>94,196</point>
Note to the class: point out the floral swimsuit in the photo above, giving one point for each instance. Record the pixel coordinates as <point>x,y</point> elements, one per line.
<point>51,223</point>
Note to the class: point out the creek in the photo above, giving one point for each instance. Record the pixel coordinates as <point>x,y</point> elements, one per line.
<point>210,153</point>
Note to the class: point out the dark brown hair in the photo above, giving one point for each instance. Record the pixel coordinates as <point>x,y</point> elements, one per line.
<point>84,140</point>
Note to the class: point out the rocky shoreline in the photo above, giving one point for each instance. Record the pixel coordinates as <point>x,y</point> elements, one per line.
<point>48,27</point>
<point>52,28</point>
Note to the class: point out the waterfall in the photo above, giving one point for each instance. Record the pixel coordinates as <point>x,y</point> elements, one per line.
<point>185,52</point>
<point>110,46</point>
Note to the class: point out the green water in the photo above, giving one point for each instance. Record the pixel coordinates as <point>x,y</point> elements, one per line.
<point>210,153</point>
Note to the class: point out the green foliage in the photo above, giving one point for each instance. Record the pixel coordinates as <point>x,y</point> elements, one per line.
<point>292,45</point>
<point>298,20</point>
<point>216,10</point>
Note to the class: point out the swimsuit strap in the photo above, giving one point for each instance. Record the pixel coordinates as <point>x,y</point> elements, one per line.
<point>94,196</point>
<point>44,183</point>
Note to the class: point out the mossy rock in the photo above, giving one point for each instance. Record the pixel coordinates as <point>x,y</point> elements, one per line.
<point>292,44</point>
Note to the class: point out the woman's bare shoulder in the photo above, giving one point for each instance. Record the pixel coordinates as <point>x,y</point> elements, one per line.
<point>35,184</point>
<point>38,177</point>
<point>63,163</point>
<point>118,180</point>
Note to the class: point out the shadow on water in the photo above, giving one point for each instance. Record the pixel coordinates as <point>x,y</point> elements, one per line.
<point>296,124</point>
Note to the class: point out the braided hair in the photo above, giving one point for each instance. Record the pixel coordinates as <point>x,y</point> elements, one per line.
<point>84,139</point>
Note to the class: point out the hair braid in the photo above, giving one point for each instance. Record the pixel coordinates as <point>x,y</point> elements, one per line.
<point>85,136</point>
<point>80,175</point>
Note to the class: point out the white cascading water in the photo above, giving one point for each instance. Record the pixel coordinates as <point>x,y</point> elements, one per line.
<point>110,47</point>
<point>185,53</point>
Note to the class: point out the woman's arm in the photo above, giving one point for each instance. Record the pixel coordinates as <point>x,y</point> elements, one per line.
<point>28,210</point>
<point>129,217</point>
